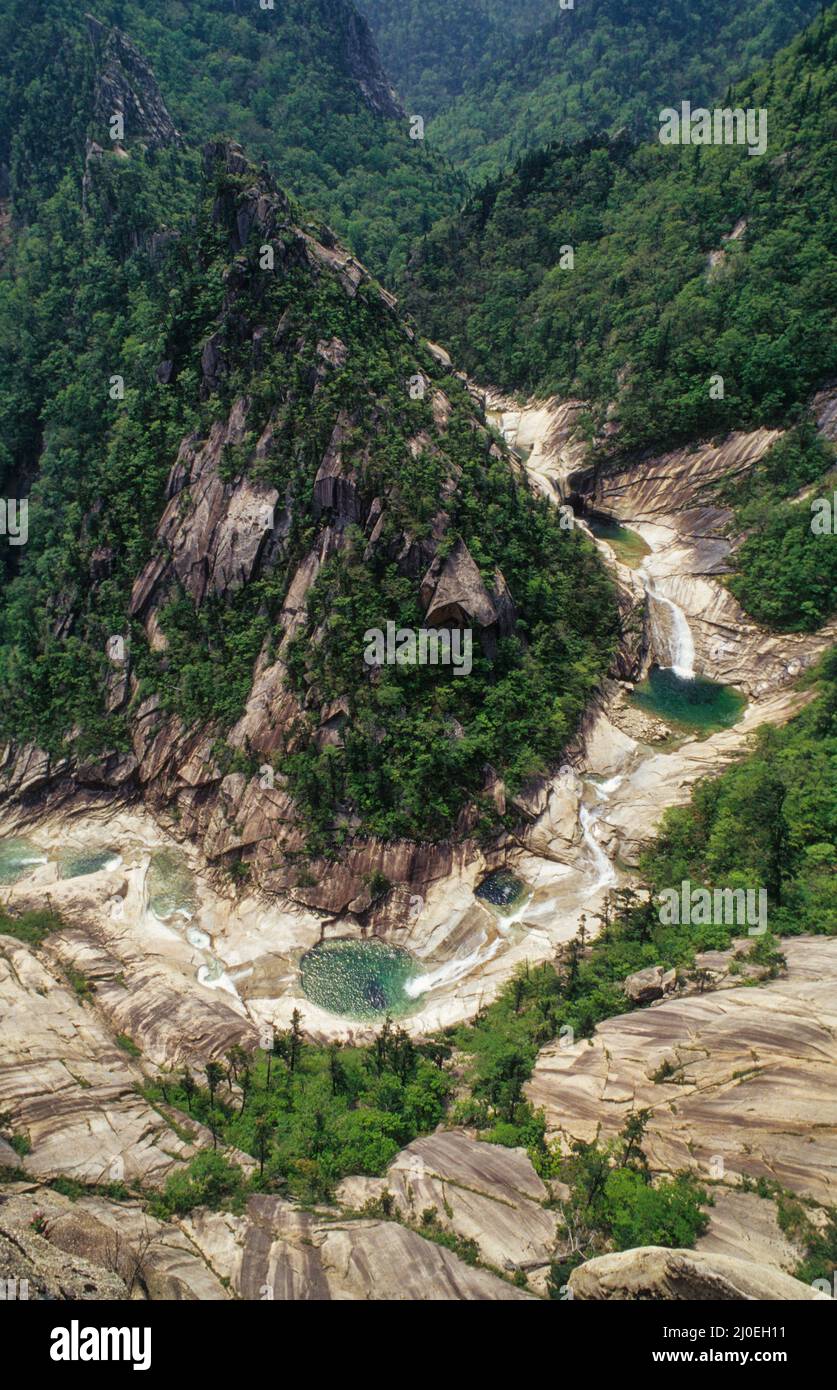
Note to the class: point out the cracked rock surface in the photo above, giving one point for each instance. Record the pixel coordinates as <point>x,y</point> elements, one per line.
<point>747,1076</point>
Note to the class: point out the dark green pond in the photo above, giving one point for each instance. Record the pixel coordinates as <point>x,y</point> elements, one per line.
<point>171,887</point>
<point>628,547</point>
<point>359,979</point>
<point>77,863</point>
<point>18,858</point>
<point>698,704</point>
<point>501,889</point>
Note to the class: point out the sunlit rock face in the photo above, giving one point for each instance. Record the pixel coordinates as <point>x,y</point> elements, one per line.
<point>667,502</point>
<point>482,1192</point>
<point>754,1085</point>
<point>93,1248</point>
<point>69,1089</point>
<point>298,1255</point>
<point>652,1272</point>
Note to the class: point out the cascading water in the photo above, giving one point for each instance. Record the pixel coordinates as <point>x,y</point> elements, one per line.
<point>461,966</point>
<point>672,636</point>
<point>17,857</point>
<point>671,690</point>
<point>588,818</point>
<point>453,970</point>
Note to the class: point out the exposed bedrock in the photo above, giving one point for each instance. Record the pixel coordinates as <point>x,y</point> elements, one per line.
<point>482,1192</point>
<point>600,808</point>
<point>69,1091</point>
<point>279,1251</point>
<point>652,1272</point>
<point>273,1250</point>
<point>740,1083</point>
<point>671,500</point>
<point>125,85</point>
<point>221,530</point>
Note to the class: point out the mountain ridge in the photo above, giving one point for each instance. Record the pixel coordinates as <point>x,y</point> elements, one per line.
<point>301,468</point>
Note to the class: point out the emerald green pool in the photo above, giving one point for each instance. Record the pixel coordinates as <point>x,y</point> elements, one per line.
<point>501,889</point>
<point>628,547</point>
<point>77,863</point>
<point>696,705</point>
<point>18,858</point>
<point>171,887</point>
<point>359,979</point>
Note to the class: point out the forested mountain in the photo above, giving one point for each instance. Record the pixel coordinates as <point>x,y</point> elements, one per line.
<point>685,262</point>
<point>222,451</point>
<point>605,65</point>
<point>681,292</point>
<point>345,782</point>
<point>301,85</point>
<point>431,50</point>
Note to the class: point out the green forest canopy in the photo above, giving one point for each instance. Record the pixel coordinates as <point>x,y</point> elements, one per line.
<point>280,81</point>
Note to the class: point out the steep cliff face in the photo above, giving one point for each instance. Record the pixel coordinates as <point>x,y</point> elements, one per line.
<point>75,86</point>
<point>125,86</point>
<point>364,63</point>
<point>300,84</point>
<point>279,470</point>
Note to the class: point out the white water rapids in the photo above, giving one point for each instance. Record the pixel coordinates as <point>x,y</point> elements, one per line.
<point>674,649</point>
<point>588,818</point>
<point>460,966</point>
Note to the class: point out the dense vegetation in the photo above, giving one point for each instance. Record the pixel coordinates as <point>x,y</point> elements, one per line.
<point>76,307</point>
<point>285,82</point>
<point>92,288</point>
<point>29,927</point>
<point>90,291</point>
<point>602,65</point>
<point>769,820</point>
<point>311,1115</point>
<point>639,318</point>
<point>416,743</point>
<point>431,50</point>
<point>786,572</point>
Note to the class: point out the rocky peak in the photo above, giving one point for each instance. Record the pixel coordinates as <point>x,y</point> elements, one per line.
<point>126,86</point>
<point>363,62</point>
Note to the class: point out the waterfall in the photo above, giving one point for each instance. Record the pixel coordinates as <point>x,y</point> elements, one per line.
<point>453,970</point>
<point>672,637</point>
<point>605,873</point>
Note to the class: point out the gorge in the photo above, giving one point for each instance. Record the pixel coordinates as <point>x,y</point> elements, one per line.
<point>415,620</point>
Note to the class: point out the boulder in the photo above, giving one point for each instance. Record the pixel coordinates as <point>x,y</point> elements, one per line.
<point>277,1251</point>
<point>644,986</point>
<point>454,594</point>
<point>654,1273</point>
<point>482,1192</point>
<point>150,1258</point>
<point>31,1269</point>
